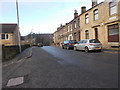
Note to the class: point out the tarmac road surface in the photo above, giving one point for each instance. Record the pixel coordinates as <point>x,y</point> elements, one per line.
<point>52,67</point>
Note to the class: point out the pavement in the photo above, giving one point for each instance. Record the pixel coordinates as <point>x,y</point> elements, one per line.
<point>111,50</point>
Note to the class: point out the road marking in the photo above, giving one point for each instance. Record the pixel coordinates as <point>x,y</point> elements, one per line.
<point>15,81</point>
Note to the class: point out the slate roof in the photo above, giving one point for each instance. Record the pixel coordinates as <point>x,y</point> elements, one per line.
<point>8,28</point>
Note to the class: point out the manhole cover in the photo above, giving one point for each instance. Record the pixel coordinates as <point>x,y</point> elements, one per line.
<point>15,81</point>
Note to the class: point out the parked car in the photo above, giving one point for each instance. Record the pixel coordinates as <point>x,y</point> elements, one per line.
<point>68,44</point>
<point>88,45</point>
<point>40,45</point>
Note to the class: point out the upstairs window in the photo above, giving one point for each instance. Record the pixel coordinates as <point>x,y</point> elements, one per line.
<point>71,27</point>
<point>113,7</point>
<point>86,18</point>
<point>74,24</point>
<point>78,22</point>
<point>96,14</point>
<point>4,36</point>
<point>68,28</point>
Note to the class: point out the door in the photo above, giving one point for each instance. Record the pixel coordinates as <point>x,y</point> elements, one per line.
<point>80,45</point>
<point>96,33</point>
<point>83,44</point>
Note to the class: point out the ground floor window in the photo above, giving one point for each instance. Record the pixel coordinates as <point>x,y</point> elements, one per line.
<point>113,33</point>
<point>87,34</point>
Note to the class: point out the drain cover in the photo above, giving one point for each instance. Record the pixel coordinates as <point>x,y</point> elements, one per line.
<point>15,81</point>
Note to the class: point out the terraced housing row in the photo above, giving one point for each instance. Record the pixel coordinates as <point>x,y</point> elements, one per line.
<point>102,22</point>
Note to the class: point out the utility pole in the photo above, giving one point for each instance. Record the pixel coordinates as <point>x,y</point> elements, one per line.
<point>18,26</point>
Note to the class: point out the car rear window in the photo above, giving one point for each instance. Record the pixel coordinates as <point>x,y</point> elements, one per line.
<point>94,41</point>
<point>73,41</point>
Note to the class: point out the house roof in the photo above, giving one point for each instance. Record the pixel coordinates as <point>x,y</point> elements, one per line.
<point>22,38</point>
<point>8,28</point>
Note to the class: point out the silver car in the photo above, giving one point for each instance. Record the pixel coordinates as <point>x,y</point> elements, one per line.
<point>88,45</point>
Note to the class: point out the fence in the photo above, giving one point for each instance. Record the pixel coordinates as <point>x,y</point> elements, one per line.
<point>9,52</point>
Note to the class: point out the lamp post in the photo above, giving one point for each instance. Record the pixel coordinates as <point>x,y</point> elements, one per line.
<point>18,26</point>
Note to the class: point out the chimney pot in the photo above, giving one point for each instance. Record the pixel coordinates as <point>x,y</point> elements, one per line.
<point>75,14</point>
<point>60,25</point>
<point>75,11</point>
<point>94,3</point>
<point>83,9</point>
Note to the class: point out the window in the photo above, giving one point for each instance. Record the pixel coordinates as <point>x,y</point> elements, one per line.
<point>72,41</point>
<point>74,24</point>
<point>94,41</point>
<point>71,27</point>
<point>85,41</point>
<point>113,7</point>
<point>81,41</point>
<point>4,36</point>
<point>68,28</point>
<point>78,22</point>
<point>86,18</point>
<point>113,33</point>
<point>87,34</point>
<point>96,14</point>
<point>70,37</point>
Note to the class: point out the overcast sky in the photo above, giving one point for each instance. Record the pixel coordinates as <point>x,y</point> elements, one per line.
<point>41,16</point>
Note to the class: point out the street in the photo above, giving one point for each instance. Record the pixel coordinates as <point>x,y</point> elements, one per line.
<point>53,67</point>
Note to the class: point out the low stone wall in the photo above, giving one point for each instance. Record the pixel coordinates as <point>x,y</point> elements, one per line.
<point>9,52</point>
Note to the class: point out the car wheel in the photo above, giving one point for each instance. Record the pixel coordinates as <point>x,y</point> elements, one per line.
<point>75,48</point>
<point>86,49</point>
<point>67,48</point>
<point>100,50</point>
<point>62,47</point>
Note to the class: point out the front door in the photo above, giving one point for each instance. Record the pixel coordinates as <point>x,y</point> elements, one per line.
<point>96,33</point>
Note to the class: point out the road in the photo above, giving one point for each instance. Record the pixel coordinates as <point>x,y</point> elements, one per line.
<point>53,67</point>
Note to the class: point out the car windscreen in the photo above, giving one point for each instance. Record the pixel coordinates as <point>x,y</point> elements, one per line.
<point>94,41</point>
<point>72,42</point>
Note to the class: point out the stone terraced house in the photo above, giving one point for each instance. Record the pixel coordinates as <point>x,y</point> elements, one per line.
<point>102,22</point>
<point>9,34</point>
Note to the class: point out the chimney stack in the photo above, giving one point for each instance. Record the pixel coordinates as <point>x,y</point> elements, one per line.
<point>75,14</point>
<point>94,3</point>
<point>61,25</point>
<point>83,9</point>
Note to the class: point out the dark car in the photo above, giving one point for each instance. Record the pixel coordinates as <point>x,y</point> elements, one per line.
<point>40,45</point>
<point>68,44</point>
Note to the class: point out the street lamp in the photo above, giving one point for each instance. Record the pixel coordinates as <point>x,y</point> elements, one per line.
<point>18,25</point>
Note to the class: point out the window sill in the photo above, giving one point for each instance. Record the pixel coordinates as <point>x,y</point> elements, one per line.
<point>113,15</point>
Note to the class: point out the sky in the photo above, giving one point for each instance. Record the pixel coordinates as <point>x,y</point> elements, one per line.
<point>41,16</point>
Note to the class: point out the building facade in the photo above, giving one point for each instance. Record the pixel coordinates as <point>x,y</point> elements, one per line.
<point>102,22</point>
<point>9,35</point>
